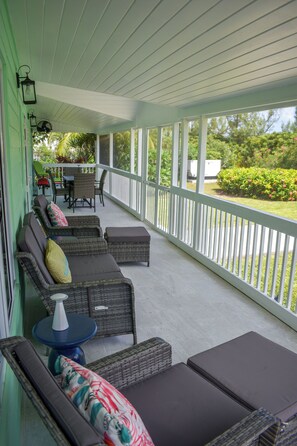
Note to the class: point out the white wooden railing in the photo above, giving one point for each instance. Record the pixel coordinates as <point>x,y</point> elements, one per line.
<point>253,250</point>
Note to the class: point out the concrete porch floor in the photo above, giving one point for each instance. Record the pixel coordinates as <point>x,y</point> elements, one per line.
<point>177,299</point>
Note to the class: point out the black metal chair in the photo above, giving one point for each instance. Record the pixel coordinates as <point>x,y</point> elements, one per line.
<point>100,186</point>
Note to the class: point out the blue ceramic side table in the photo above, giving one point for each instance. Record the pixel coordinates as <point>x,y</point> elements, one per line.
<point>66,342</point>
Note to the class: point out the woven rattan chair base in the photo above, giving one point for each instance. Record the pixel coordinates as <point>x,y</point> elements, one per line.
<point>130,251</point>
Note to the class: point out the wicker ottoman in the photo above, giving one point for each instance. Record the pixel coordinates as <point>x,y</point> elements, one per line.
<point>128,244</point>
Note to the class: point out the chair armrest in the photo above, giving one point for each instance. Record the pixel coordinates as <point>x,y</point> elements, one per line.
<point>83,220</point>
<point>75,231</point>
<point>247,431</point>
<point>86,246</point>
<point>135,363</point>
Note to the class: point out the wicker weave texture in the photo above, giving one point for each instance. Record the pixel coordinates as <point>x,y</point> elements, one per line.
<point>130,251</point>
<point>80,226</point>
<point>136,363</point>
<point>111,303</point>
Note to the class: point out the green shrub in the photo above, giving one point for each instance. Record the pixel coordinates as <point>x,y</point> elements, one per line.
<point>254,182</point>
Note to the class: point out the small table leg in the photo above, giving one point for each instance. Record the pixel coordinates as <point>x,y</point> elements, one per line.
<point>74,353</point>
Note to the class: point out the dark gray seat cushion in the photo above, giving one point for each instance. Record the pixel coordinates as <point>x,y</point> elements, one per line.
<point>27,243</point>
<point>42,203</point>
<point>37,230</point>
<point>74,426</point>
<point>127,234</point>
<point>179,407</point>
<point>255,370</point>
<point>93,267</point>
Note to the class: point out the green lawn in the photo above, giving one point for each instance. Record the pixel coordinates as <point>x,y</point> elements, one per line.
<point>286,209</point>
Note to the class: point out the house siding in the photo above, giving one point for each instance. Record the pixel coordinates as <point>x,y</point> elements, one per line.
<point>14,113</point>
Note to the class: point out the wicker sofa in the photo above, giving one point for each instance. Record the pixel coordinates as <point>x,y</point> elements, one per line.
<point>78,226</point>
<point>98,288</point>
<point>177,405</point>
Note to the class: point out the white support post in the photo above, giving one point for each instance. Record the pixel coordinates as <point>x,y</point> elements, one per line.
<point>144,149</point>
<point>200,178</point>
<point>184,155</point>
<point>139,152</point>
<point>174,171</point>
<point>132,164</point>
<point>97,157</point>
<point>158,174</point>
<point>175,145</point>
<point>201,154</point>
<point>110,161</point>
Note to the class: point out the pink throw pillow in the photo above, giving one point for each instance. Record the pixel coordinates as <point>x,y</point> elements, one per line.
<point>111,414</point>
<point>56,216</point>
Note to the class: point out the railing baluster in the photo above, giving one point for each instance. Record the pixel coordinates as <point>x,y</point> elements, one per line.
<point>292,277</point>
<point>235,247</point>
<point>210,234</point>
<point>260,256</point>
<point>230,244</point>
<point>268,261</point>
<point>215,241</point>
<point>275,266</point>
<point>284,272</point>
<point>247,252</point>
<point>220,242</point>
<point>242,234</point>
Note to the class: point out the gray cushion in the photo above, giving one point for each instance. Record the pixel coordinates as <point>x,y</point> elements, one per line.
<point>127,234</point>
<point>93,267</point>
<point>41,203</point>
<point>32,221</point>
<point>74,426</point>
<point>255,370</point>
<point>27,243</point>
<point>179,407</point>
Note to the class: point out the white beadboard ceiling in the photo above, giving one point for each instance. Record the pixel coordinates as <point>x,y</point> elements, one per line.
<point>104,63</point>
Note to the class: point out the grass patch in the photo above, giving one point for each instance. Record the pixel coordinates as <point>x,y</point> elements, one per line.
<point>286,209</point>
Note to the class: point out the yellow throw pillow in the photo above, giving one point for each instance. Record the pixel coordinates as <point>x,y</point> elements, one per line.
<point>57,263</point>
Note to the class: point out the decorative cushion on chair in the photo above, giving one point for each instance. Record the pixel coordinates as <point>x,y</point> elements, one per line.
<point>102,405</point>
<point>43,182</point>
<point>56,216</point>
<point>57,263</point>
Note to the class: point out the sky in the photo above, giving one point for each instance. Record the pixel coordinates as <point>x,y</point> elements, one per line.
<point>286,114</point>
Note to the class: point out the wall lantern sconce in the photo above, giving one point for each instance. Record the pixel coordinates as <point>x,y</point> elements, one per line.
<point>33,122</point>
<point>28,86</point>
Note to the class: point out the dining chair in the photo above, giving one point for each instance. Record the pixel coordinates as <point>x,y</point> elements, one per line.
<point>58,191</point>
<point>99,186</point>
<point>83,190</point>
<point>42,176</point>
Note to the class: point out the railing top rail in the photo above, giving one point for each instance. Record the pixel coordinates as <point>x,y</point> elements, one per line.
<point>69,165</point>
<point>262,218</point>
<point>123,173</point>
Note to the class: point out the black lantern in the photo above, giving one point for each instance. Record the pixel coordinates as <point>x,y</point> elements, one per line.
<point>33,122</point>
<point>28,86</point>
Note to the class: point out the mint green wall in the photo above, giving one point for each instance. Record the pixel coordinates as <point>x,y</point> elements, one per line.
<point>13,116</point>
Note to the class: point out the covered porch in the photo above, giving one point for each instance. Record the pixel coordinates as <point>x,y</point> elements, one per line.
<point>177,299</point>
<point>111,66</point>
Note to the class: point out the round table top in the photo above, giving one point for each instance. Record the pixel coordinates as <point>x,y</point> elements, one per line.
<point>81,328</point>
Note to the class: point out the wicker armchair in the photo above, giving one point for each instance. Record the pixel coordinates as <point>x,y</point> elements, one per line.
<point>132,366</point>
<point>98,288</point>
<point>78,226</point>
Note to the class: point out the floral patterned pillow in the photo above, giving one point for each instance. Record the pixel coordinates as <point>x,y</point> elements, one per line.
<point>102,405</point>
<point>56,216</point>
